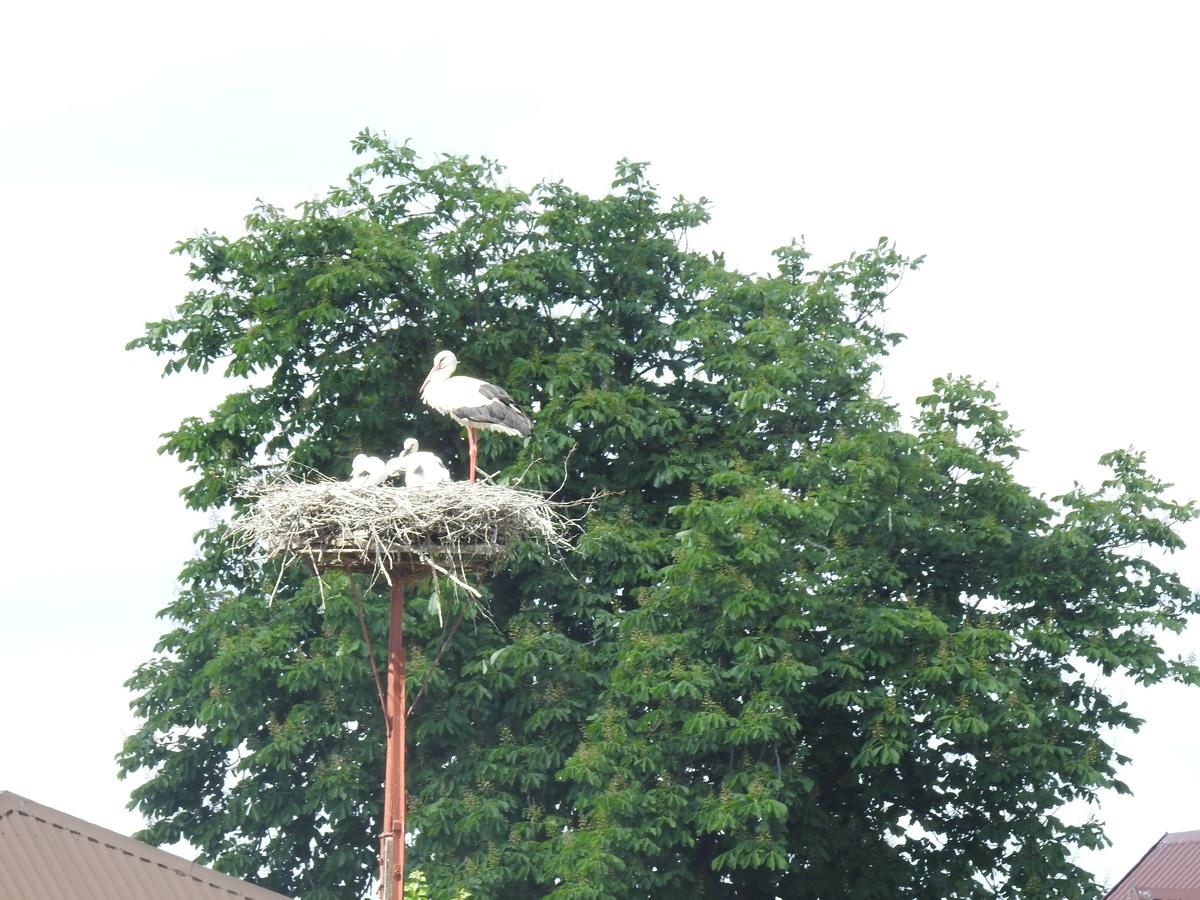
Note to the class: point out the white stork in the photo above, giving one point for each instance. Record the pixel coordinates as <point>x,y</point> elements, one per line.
<point>472,403</point>
<point>367,471</point>
<point>419,466</point>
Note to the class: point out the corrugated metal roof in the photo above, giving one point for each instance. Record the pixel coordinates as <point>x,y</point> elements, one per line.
<point>47,855</point>
<point>1170,870</point>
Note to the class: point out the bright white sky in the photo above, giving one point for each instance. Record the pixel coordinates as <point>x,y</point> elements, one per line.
<point>1043,156</point>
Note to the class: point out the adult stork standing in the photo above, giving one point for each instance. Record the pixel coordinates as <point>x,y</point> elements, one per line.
<point>419,466</point>
<point>472,403</point>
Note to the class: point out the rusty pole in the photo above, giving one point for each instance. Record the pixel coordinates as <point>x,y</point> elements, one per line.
<point>391,850</point>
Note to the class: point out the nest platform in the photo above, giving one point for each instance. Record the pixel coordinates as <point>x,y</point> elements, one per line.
<point>454,529</point>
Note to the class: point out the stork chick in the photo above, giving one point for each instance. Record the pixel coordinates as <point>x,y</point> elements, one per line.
<point>420,467</point>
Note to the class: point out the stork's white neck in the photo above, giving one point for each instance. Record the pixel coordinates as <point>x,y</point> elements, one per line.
<point>444,365</point>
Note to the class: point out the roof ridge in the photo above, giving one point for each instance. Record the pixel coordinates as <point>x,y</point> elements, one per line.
<point>1180,837</point>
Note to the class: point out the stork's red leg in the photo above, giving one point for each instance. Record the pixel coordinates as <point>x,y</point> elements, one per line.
<point>473,451</point>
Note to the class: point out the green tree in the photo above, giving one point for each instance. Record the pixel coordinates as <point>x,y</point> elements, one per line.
<point>801,650</point>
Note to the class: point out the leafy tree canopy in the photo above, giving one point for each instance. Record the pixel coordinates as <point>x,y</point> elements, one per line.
<point>803,649</point>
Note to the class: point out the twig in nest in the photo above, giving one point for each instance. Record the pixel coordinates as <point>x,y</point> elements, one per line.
<point>362,621</point>
<point>437,659</point>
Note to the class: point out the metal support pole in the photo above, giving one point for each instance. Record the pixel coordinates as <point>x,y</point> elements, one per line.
<point>391,849</point>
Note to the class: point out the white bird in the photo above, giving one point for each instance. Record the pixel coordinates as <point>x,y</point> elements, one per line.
<point>367,471</point>
<point>419,466</point>
<point>472,403</point>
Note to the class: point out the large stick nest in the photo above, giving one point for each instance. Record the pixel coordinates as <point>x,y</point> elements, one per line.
<point>449,529</point>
